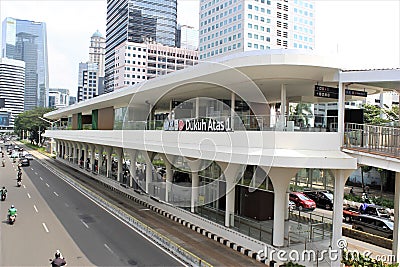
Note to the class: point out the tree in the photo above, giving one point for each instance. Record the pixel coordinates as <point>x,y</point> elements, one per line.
<point>365,169</point>
<point>301,113</point>
<point>29,121</point>
<point>372,114</point>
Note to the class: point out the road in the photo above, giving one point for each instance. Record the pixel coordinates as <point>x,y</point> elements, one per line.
<point>53,215</point>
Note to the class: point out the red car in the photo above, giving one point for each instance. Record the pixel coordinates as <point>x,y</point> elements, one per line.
<point>349,213</point>
<point>302,201</point>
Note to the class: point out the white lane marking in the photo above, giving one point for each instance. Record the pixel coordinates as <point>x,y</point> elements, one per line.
<point>66,205</point>
<point>143,209</point>
<point>45,227</point>
<point>36,173</point>
<point>32,169</point>
<point>87,226</point>
<point>24,186</point>
<point>41,178</point>
<point>109,249</point>
<point>47,185</point>
<point>29,195</point>
<point>55,193</point>
<point>35,208</point>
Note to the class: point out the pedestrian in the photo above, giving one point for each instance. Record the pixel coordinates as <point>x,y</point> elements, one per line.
<point>367,189</point>
<point>352,191</point>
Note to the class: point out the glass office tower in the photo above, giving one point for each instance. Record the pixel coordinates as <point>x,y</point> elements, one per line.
<point>27,41</point>
<point>137,21</point>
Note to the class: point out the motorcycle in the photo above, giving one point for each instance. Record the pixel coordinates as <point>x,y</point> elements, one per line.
<point>3,196</point>
<point>19,183</point>
<point>11,219</point>
<point>14,160</point>
<point>3,163</point>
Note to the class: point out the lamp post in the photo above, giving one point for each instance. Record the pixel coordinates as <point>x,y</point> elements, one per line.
<point>40,139</point>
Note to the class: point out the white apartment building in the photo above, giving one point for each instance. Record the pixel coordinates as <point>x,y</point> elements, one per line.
<point>87,81</point>
<point>386,99</point>
<point>12,85</point>
<point>137,62</point>
<point>58,98</point>
<point>231,26</point>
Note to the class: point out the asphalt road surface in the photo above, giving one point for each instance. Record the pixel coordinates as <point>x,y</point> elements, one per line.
<point>53,215</point>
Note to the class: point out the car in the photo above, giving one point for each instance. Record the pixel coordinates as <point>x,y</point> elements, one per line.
<point>302,201</point>
<point>322,199</point>
<point>349,213</point>
<point>374,225</point>
<point>376,210</point>
<point>14,154</point>
<point>24,161</point>
<point>28,156</point>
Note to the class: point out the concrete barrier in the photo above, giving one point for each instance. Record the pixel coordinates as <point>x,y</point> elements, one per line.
<point>366,237</point>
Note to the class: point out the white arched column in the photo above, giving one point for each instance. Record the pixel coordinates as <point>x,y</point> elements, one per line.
<point>168,161</point>
<point>108,150</point>
<point>396,230</point>
<point>148,157</point>
<point>99,149</point>
<point>337,218</point>
<point>280,178</point>
<point>132,154</point>
<point>92,148</point>
<point>120,153</point>
<point>194,165</point>
<point>231,172</point>
<point>84,147</point>
<point>76,155</point>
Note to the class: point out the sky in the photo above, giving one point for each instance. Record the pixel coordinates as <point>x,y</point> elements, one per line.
<point>361,34</point>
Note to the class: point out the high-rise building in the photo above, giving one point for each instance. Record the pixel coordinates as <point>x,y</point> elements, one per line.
<point>231,26</point>
<point>87,81</point>
<point>27,41</point>
<point>12,83</point>
<point>72,100</point>
<point>137,21</point>
<point>97,51</point>
<point>137,62</point>
<point>187,37</point>
<point>58,98</point>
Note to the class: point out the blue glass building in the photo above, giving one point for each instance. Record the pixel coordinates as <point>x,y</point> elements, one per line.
<point>27,41</point>
<point>137,21</point>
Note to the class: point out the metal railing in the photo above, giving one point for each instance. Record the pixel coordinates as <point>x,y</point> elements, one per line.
<point>302,123</point>
<point>373,138</point>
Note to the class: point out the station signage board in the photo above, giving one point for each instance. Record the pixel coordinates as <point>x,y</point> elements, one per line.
<point>332,92</point>
<point>197,125</point>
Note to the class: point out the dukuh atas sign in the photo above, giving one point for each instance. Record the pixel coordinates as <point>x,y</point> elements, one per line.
<point>198,125</point>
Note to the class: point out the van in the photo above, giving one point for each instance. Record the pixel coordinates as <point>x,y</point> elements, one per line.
<point>374,225</point>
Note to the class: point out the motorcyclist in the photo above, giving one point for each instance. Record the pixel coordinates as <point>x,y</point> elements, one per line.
<point>3,162</point>
<point>58,260</point>
<point>12,211</point>
<point>3,191</point>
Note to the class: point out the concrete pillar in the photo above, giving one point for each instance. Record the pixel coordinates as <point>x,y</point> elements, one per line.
<point>168,161</point>
<point>92,148</point>
<point>396,230</point>
<point>337,218</point>
<point>197,107</point>
<point>148,157</point>
<point>132,153</point>
<point>120,155</point>
<point>194,165</point>
<point>85,154</point>
<point>280,178</point>
<point>57,148</point>
<point>75,156</point>
<point>233,101</point>
<point>231,172</point>
<point>109,151</point>
<point>381,105</point>
<point>341,107</point>
<point>100,151</point>
<point>283,100</point>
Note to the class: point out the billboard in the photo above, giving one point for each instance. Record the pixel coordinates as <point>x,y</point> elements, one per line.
<point>4,119</point>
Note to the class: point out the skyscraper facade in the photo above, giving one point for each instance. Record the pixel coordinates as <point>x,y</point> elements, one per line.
<point>138,62</point>
<point>97,51</point>
<point>12,83</point>
<point>27,41</point>
<point>187,37</point>
<point>137,21</point>
<point>231,26</point>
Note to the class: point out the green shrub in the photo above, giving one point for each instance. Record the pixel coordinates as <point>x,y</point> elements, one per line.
<point>357,259</point>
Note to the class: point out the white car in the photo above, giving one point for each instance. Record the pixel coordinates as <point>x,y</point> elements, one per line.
<point>28,156</point>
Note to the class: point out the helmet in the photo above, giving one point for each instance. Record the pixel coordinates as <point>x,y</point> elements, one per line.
<point>57,254</point>
<point>4,187</point>
<point>12,206</point>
